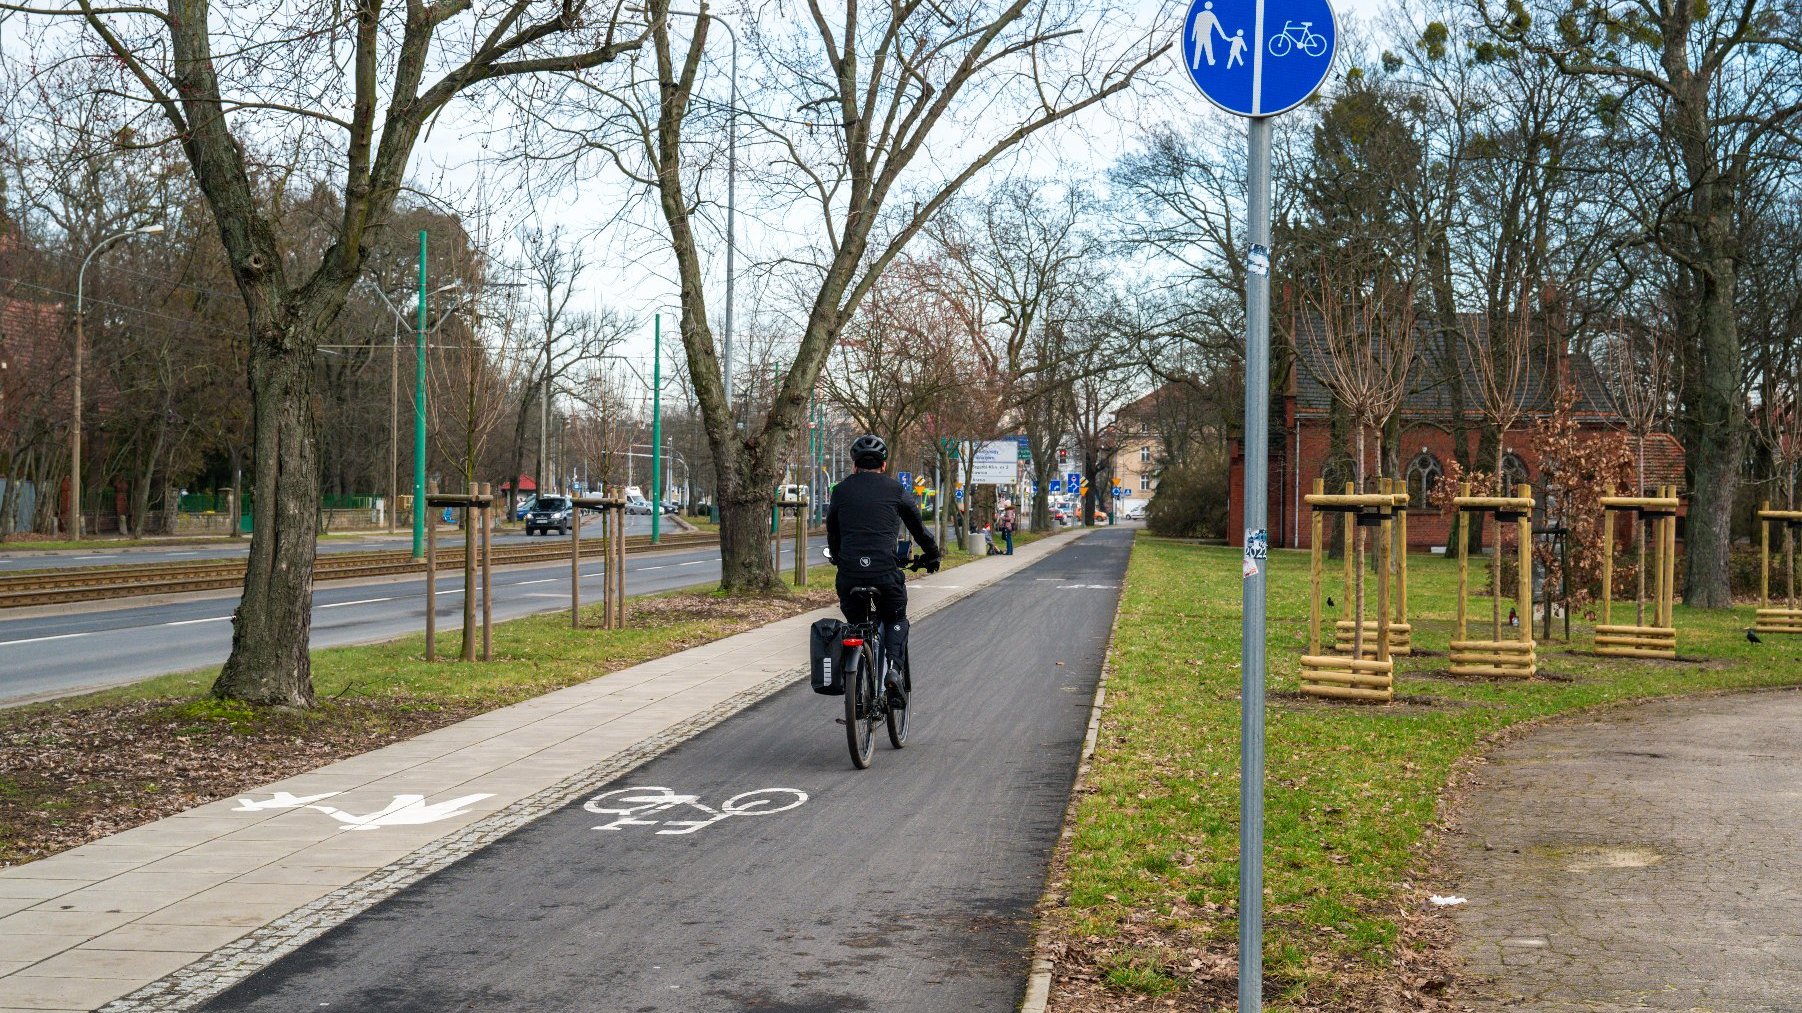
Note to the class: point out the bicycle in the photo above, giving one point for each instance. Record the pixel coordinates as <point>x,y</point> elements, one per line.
<point>866,696</point>
<point>1296,35</point>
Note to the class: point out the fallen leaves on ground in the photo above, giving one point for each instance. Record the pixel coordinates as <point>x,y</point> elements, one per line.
<point>74,773</point>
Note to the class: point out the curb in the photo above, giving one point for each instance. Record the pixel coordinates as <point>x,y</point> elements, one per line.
<point>212,974</point>
<point>1038,981</point>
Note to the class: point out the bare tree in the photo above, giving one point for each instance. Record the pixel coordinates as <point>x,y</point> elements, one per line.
<point>258,90</point>
<point>867,148</point>
<point>1642,366</point>
<point>1498,349</point>
<point>1363,350</point>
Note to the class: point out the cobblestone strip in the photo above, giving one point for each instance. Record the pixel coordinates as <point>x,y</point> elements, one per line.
<point>214,973</point>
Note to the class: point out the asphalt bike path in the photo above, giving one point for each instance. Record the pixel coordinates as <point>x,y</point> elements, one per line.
<point>91,649</point>
<point>101,555</point>
<point>704,882</point>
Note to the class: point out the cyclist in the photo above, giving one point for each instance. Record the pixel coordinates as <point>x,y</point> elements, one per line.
<point>866,510</point>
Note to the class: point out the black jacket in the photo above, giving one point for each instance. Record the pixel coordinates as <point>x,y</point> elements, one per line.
<point>863,523</point>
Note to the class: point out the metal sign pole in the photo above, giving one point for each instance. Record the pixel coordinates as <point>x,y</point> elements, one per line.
<point>1256,565</point>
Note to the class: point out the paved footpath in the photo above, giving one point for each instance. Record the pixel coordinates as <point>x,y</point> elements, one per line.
<point>1642,860</point>
<point>395,880</point>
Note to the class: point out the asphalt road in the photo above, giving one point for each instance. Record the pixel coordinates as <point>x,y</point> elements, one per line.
<point>87,648</point>
<point>99,555</point>
<point>906,887</point>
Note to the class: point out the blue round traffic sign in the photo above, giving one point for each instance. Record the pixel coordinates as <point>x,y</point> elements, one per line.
<point>1259,57</point>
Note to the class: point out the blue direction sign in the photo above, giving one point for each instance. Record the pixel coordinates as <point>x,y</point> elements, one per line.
<point>1259,57</point>
<point>906,478</point>
<point>1073,482</point>
<point>1057,484</point>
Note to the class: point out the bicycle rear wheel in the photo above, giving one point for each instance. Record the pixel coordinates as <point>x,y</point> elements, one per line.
<point>860,710</point>
<point>897,719</point>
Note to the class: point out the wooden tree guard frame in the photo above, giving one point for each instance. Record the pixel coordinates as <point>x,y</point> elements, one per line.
<point>1401,633</point>
<point>613,556</point>
<point>1336,675</point>
<point>477,506</point>
<point>1513,659</point>
<point>1659,638</point>
<point>1774,619</point>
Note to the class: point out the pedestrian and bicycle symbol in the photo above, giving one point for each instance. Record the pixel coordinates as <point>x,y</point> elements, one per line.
<point>1258,57</point>
<point>636,807</point>
<point>403,811</point>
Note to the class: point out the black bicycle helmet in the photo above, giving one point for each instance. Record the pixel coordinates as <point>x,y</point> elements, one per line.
<point>868,451</point>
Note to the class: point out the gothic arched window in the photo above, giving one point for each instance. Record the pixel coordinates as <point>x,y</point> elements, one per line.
<point>1423,473</point>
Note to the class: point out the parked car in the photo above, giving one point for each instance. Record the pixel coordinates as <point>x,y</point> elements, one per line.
<point>524,507</point>
<point>1134,510</point>
<point>548,513</point>
<point>638,505</point>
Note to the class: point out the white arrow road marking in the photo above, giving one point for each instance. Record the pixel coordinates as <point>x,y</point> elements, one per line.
<point>281,800</point>
<point>405,810</point>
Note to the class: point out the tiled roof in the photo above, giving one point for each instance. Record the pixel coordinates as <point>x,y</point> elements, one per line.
<point>1428,393</point>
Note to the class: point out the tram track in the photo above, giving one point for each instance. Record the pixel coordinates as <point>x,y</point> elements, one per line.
<point>98,583</point>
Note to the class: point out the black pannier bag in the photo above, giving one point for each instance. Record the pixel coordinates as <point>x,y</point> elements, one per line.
<point>825,654</point>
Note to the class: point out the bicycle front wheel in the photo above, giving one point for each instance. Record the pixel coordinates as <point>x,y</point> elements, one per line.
<point>860,710</point>
<point>1280,45</point>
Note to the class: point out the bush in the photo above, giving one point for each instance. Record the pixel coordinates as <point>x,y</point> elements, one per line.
<point>1191,501</point>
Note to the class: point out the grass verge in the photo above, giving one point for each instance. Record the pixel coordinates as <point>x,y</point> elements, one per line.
<point>1148,882</point>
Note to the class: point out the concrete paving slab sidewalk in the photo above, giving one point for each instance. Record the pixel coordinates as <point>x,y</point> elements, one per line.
<point>222,889</point>
<point>1659,875</point>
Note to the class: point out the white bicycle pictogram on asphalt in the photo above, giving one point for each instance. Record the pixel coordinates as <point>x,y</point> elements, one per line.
<point>633,807</point>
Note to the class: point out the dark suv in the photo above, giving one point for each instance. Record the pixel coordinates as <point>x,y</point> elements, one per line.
<point>548,513</point>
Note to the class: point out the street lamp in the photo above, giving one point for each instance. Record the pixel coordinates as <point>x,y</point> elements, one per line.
<point>81,277</point>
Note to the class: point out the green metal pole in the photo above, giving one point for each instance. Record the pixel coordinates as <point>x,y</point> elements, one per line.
<point>656,427</point>
<point>419,507</point>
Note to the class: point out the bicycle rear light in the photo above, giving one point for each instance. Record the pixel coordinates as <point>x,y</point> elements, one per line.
<point>853,641</point>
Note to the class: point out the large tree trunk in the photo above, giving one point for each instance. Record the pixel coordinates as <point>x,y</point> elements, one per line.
<point>269,663</point>
<point>1712,427</point>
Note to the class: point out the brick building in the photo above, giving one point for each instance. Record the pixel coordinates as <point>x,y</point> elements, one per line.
<point>1304,448</point>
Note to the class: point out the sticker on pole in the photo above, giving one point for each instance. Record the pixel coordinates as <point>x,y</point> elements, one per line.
<point>1257,549</point>
<point>1258,57</point>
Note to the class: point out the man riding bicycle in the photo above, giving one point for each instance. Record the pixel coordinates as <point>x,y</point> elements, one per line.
<point>866,511</point>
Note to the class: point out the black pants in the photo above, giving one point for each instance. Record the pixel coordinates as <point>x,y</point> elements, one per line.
<point>891,606</point>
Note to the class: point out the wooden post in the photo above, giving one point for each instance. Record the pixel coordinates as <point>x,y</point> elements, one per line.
<point>487,515</point>
<point>575,567</point>
<point>1670,566</point>
<point>1655,535</point>
<point>1607,559</point>
<point>801,543</point>
<point>431,577</point>
<point>1524,535</point>
<point>1401,549</point>
<point>1349,524</point>
<point>1463,565</point>
<point>619,569</point>
<point>469,577</point>
<point>1764,555</point>
<point>1316,529</point>
<point>1385,533</point>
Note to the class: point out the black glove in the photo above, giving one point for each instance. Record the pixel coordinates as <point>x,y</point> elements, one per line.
<point>931,564</point>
